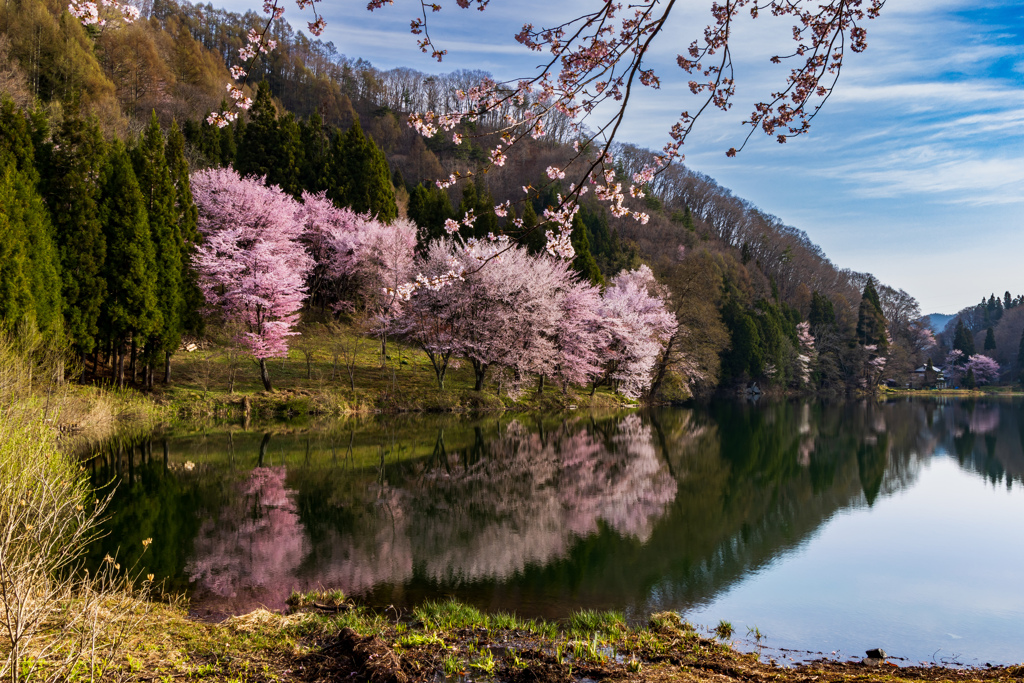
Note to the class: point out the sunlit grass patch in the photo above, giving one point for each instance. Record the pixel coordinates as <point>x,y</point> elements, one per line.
<point>449,614</point>
<point>587,622</point>
<point>324,598</point>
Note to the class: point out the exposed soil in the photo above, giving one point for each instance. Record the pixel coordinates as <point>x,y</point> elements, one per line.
<point>656,657</point>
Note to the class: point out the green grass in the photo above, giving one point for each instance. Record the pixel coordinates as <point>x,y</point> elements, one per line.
<point>449,614</point>
<point>589,622</point>
<point>405,383</point>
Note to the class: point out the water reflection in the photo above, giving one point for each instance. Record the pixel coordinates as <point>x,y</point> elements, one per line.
<point>659,510</point>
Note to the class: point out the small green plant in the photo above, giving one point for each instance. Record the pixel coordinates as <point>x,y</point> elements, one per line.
<point>634,666</point>
<point>756,633</point>
<point>724,630</point>
<point>419,640</point>
<point>453,666</point>
<point>485,662</point>
<point>515,661</point>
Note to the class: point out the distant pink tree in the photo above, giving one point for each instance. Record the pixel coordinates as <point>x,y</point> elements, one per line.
<point>433,317</point>
<point>374,258</point>
<point>326,232</point>
<point>581,336</point>
<point>639,324</point>
<point>251,262</point>
<point>986,370</point>
<point>806,353</point>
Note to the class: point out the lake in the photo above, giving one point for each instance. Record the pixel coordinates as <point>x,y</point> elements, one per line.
<point>827,527</point>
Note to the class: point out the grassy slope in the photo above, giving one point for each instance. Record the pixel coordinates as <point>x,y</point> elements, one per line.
<point>406,382</point>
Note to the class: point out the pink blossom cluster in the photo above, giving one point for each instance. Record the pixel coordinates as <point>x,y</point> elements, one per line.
<point>88,11</point>
<point>252,262</point>
<point>532,315</point>
<point>806,352</point>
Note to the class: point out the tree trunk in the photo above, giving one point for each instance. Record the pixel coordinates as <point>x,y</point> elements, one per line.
<point>167,368</point>
<point>263,448</point>
<point>540,385</point>
<point>120,367</point>
<point>480,371</point>
<point>133,368</point>
<point>264,374</point>
<point>662,367</point>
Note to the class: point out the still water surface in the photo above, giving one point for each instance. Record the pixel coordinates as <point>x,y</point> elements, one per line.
<point>828,527</point>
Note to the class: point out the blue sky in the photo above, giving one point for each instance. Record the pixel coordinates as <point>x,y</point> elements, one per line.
<point>914,171</point>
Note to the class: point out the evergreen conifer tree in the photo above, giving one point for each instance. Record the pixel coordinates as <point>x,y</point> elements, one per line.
<point>1020,358</point>
<point>534,240</point>
<point>187,219</point>
<point>584,263</point>
<point>870,320</point>
<point>72,195</point>
<point>990,340</point>
<point>963,340</point>
<point>15,282</point>
<point>429,208</point>
<point>160,200</point>
<point>29,264</point>
<point>314,142</point>
<point>289,166</point>
<point>358,175</point>
<point>131,311</point>
<point>259,153</point>
<point>688,220</point>
<point>822,313</point>
<point>476,197</point>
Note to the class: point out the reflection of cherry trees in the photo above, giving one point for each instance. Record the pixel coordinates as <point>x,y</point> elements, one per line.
<point>482,512</point>
<point>248,553</point>
<point>520,499</point>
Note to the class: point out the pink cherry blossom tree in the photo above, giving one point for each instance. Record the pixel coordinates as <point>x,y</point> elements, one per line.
<point>252,263</point>
<point>639,325</point>
<point>373,258</point>
<point>581,336</point>
<point>806,353</point>
<point>986,370</point>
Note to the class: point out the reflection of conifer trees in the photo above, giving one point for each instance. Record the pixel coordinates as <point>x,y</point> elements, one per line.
<point>871,462</point>
<point>659,511</point>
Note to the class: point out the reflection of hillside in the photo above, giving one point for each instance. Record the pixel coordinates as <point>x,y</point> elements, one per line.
<point>520,499</point>
<point>986,436</point>
<point>657,510</point>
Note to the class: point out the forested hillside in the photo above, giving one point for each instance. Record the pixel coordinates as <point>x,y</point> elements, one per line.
<point>994,327</point>
<point>102,128</point>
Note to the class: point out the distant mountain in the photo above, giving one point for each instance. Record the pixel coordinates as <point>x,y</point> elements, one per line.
<point>939,321</point>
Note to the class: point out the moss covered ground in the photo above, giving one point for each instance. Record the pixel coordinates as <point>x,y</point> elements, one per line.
<point>327,638</point>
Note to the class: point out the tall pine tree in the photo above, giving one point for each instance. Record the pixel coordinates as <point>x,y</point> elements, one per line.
<point>71,188</point>
<point>186,216</point>
<point>990,340</point>
<point>160,200</point>
<point>29,265</point>
<point>963,340</point>
<point>584,263</point>
<point>131,312</point>
<point>358,175</point>
<point>870,320</point>
<point>1020,358</point>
